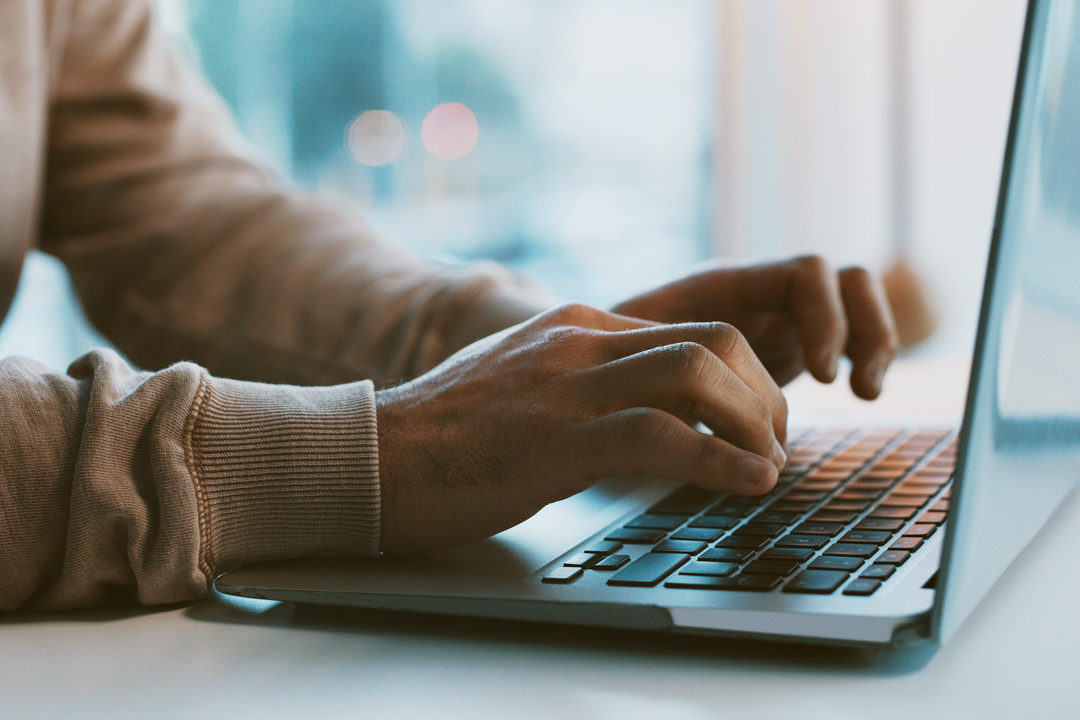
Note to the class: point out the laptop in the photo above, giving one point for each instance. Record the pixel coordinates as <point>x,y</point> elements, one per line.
<point>873,537</point>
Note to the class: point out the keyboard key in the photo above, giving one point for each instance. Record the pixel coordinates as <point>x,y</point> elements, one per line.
<point>635,536</point>
<point>725,555</point>
<point>852,550</point>
<point>796,554</point>
<point>603,547</point>
<point>923,530</point>
<point>563,575</point>
<point>893,557</point>
<point>819,485</point>
<point>771,516</point>
<point>688,500</point>
<point>857,495</point>
<point>888,476</point>
<point>771,567</point>
<point>747,583</point>
<point>765,529</point>
<point>872,523</point>
<point>831,516</point>
<point>862,586</point>
<point>940,506</point>
<point>802,541</point>
<point>929,483</point>
<point>751,501</point>
<point>685,547</point>
<point>792,507</point>
<point>878,572</point>
<point>834,562</point>
<point>864,483</point>
<point>933,518</point>
<point>875,537</point>
<point>820,582</point>
<point>846,506</point>
<point>895,513</point>
<point>818,528</point>
<point>746,542</point>
<point>907,543</point>
<point>611,562</point>
<point>719,522</point>
<point>583,560</point>
<point>905,501</point>
<point>727,508</point>
<point>716,569</point>
<point>648,570</point>
<point>910,487</point>
<point>811,497</point>
<point>657,522</point>
<point>696,533</point>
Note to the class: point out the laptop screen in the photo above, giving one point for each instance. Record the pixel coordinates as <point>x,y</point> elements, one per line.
<point>1020,447</point>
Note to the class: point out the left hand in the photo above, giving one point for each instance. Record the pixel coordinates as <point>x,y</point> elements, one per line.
<point>799,314</point>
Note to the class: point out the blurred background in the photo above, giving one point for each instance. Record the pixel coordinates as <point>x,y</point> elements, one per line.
<point>603,146</point>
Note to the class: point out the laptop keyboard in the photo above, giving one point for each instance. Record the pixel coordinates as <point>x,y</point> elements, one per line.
<point>847,511</point>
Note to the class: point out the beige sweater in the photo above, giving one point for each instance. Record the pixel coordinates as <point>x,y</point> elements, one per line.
<point>117,158</point>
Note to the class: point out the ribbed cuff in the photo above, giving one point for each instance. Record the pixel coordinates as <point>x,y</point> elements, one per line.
<point>283,471</point>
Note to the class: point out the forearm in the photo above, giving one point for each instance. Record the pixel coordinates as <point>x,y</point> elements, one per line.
<point>182,245</point>
<point>118,484</point>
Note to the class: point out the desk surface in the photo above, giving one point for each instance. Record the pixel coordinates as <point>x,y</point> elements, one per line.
<point>1017,656</point>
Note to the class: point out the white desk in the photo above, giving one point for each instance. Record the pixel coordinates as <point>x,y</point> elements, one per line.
<point>1018,656</point>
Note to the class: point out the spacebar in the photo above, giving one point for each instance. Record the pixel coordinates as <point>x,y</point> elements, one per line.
<point>752,583</point>
<point>648,569</point>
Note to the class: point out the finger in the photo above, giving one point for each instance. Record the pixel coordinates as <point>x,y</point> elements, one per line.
<point>872,339</point>
<point>817,304</point>
<point>645,441</point>
<point>687,379</point>
<point>722,340</point>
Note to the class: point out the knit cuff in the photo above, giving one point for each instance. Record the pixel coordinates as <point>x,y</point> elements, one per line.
<point>283,471</point>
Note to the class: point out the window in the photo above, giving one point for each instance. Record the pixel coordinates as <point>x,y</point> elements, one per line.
<point>567,138</point>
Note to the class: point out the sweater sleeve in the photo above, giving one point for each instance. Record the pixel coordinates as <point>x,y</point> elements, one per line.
<point>117,483</point>
<point>182,245</point>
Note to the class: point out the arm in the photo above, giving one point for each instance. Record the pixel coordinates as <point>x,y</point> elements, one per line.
<point>182,246</point>
<point>116,483</point>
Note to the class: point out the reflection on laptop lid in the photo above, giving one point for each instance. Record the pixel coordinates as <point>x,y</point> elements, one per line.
<point>1020,445</point>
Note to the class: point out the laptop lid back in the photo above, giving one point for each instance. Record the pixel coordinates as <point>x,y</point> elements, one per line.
<point>1020,446</point>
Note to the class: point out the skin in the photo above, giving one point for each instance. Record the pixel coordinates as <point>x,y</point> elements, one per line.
<point>542,410</point>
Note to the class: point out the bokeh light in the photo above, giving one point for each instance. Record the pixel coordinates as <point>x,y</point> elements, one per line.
<point>376,137</point>
<point>450,131</point>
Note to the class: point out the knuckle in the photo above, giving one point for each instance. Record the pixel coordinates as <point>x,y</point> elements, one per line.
<point>563,348</point>
<point>646,427</point>
<point>814,264</point>
<point>572,312</point>
<point>781,413</point>
<point>728,339</point>
<point>713,453</point>
<point>889,342</point>
<point>760,416</point>
<point>857,274</point>
<point>561,335</point>
<point>689,359</point>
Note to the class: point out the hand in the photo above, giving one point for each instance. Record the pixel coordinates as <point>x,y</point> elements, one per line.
<point>798,314</point>
<point>540,411</point>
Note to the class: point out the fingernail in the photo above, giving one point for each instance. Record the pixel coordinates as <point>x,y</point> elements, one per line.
<point>757,472</point>
<point>834,367</point>
<point>779,457</point>
<point>879,379</point>
<point>831,365</point>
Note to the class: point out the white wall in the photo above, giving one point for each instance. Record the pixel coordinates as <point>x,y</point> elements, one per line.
<point>804,155</point>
